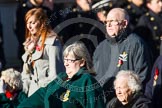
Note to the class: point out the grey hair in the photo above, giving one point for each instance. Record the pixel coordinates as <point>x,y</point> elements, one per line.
<point>79,51</point>
<point>134,82</point>
<point>14,78</point>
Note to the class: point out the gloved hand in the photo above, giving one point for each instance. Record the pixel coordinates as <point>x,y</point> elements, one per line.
<point>2,86</point>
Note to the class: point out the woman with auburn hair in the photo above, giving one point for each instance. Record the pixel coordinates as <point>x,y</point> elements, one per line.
<point>43,52</point>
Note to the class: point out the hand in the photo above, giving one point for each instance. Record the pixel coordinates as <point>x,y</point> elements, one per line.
<point>2,86</point>
<point>101,16</point>
<point>27,42</point>
<point>29,45</point>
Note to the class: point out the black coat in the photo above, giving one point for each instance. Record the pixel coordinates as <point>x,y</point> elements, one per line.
<point>131,50</point>
<point>149,28</point>
<point>138,101</point>
<point>135,13</point>
<point>154,86</point>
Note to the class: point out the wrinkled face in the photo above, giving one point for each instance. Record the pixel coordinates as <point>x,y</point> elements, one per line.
<point>155,6</point>
<point>122,91</point>
<point>72,65</point>
<point>33,25</point>
<point>114,24</point>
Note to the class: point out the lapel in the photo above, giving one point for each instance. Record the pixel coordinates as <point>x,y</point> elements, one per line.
<point>38,53</point>
<point>59,83</point>
<point>52,87</point>
<point>25,57</point>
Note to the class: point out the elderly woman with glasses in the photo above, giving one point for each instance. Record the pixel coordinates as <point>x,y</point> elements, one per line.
<point>75,88</point>
<point>11,94</point>
<point>128,88</point>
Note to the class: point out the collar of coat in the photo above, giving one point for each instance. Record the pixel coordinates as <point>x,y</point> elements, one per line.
<point>50,40</point>
<point>76,76</point>
<point>135,97</point>
<point>118,39</point>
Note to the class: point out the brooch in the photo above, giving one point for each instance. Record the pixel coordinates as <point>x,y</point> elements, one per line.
<point>122,58</point>
<point>38,48</point>
<point>156,76</point>
<point>65,96</point>
<point>10,95</point>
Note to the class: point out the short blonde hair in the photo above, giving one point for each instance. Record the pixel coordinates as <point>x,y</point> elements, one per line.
<point>14,78</point>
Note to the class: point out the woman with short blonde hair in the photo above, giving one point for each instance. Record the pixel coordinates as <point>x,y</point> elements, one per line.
<point>11,94</point>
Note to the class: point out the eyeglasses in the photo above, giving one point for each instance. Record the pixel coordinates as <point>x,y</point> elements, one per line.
<point>121,88</point>
<point>70,60</point>
<point>113,22</point>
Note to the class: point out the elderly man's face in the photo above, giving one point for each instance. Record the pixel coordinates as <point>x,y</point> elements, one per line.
<point>122,90</point>
<point>114,23</point>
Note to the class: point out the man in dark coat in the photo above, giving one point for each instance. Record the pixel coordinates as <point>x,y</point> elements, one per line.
<point>150,24</point>
<point>154,86</point>
<point>120,51</point>
<point>135,9</point>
